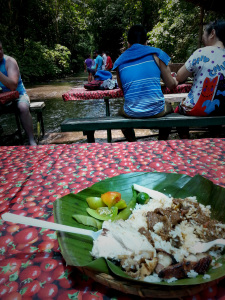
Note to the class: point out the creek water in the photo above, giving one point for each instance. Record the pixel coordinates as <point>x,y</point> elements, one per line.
<point>56,110</point>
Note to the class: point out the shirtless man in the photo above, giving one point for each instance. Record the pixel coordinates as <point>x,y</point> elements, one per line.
<point>10,80</point>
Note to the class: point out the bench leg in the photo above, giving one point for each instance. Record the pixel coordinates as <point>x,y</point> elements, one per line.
<point>40,125</point>
<point>90,136</point>
<point>109,133</point>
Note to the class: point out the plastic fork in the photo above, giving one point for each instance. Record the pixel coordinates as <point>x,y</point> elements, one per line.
<point>203,247</point>
<point>49,225</point>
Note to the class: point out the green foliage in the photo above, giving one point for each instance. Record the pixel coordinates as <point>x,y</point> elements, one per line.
<point>51,38</point>
<point>38,62</point>
<point>109,21</point>
<point>177,31</point>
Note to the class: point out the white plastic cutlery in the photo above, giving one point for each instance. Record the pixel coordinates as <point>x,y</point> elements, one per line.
<point>152,193</point>
<point>49,225</point>
<point>203,247</point>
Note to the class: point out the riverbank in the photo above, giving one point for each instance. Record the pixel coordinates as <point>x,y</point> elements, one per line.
<point>54,89</point>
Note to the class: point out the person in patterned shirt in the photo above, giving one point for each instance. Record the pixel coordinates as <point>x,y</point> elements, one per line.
<point>207,66</point>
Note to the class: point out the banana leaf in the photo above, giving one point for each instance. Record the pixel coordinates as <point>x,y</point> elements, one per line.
<point>76,248</point>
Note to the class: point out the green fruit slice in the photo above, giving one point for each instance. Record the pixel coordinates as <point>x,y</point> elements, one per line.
<point>103,213</point>
<point>95,202</point>
<point>142,198</point>
<point>88,221</point>
<point>121,204</point>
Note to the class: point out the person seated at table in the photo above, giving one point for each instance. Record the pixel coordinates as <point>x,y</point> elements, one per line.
<point>139,70</point>
<point>10,80</point>
<point>207,64</point>
<point>88,67</point>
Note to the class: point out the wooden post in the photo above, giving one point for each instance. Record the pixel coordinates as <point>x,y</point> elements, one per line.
<point>200,26</point>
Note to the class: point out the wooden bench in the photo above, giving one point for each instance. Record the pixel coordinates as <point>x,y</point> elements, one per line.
<point>171,98</point>
<point>35,107</point>
<point>171,120</point>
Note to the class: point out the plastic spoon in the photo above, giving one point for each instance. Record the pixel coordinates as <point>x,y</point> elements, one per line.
<point>49,225</point>
<point>203,247</point>
<point>152,193</point>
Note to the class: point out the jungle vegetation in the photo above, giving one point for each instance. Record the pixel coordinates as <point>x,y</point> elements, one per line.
<point>51,38</point>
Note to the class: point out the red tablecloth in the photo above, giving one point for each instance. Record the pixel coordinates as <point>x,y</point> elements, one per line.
<point>31,178</point>
<point>8,97</point>
<point>83,94</point>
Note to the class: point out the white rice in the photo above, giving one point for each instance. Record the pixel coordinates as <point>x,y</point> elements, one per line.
<point>192,274</point>
<point>184,232</point>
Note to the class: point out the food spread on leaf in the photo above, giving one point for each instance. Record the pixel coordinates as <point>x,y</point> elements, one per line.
<point>109,206</point>
<point>154,242</point>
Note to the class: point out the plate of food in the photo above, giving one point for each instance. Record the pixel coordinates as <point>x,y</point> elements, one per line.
<point>149,224</point>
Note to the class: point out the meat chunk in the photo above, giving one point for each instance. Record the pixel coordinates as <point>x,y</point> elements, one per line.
<point>147,234</point>
<point>164,260</point>
<point>180,270</point>
<point>167,216</point>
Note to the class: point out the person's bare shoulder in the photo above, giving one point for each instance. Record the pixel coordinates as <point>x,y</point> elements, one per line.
<point>10,61</point>
<point>11,64</point>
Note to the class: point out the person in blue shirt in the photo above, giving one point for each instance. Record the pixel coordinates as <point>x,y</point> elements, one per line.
<point>98,61</point>
<point>10,80</point>
<point>139,70</point>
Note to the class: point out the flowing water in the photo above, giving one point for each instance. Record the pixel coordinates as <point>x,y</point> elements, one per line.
<point>56,110</point>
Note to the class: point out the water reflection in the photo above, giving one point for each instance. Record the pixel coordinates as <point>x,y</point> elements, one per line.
<point>56,110</point>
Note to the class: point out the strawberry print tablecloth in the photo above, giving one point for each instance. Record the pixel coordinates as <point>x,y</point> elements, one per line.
<point>31,178</point>
<point>83,94</point>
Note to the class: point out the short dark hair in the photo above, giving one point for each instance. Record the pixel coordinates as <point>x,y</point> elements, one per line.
<point>219,27</point>
<point>137,35</point>
<point>96,51</point>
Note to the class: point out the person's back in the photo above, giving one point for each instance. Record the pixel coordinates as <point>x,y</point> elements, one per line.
<point>89,62</point>
<point>207,96</point>
<point>140,79</point>
<point>109,63</point>
<point>139,70</point>
<point>98,61</point>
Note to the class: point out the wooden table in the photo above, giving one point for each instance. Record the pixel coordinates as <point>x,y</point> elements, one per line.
<point>76,94</point>
<point>31,178</point>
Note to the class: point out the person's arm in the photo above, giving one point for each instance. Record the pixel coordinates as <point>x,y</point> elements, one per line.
<point>10,81</point>
<point>167,78</point>
<point>183,74</point>
<point>85,67</point>
<point>118,79</point>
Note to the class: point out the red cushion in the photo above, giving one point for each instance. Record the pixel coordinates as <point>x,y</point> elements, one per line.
<point>8,97</point>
